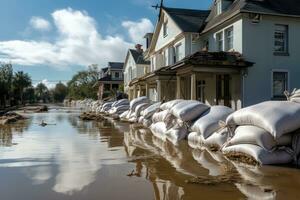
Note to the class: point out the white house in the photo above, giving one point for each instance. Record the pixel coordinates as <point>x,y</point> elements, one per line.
<point>135,67</point>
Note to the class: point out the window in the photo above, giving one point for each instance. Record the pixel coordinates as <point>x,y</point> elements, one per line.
<point>201,91</point>
<point>219,7</point>
<point>178,53</point>
<point>219,38</point>
<point>117,75</point>
<point>281,39</point>
<point>280,83</point>
<point>229,39</point>
<point>165,28</point>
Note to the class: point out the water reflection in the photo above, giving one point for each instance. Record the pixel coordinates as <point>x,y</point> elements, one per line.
<point>113,160</point>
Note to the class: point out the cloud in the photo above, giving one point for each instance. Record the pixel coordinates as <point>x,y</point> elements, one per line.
<point>78,42</point>
<point>50,85</point>
<point>138,29</point>
<point>40,23</point>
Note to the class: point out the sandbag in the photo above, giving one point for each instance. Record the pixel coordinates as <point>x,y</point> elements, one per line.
<point>188,110</point>
<point>159,130</point>
<point>160,116</point>
<point>141,120</point>
<point>259,154</point>
<point>277,117</point>
<point>121,102</point>
<point>194,140</point>
<point>208,123</point>
<point>147,122</point>
<point>139,108</point>
<point>137,101</point>
<point>148,112</point>
<point>175,135</point>
<point>258,136</point>
<point>170,104</point>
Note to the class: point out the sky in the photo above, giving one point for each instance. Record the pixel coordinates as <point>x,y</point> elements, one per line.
<point>53,39</point>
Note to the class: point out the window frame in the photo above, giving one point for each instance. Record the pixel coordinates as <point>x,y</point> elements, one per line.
<point>165,28</point>
<point>219,7</point>
<point>287,83</point>
<point>220,40</point>
<point>177,52</point>
<point>285,52</point>
<point>226,39</point>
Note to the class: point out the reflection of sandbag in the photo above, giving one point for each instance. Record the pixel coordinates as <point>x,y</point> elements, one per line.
<point>175,135</point>
<point>135,102</point>
<point>159,116</point>
<point>188,111</point>
<point>258,136</point>
<point>256,192</point>
<point>159,130</point>
<point>139,108</point>
<point>208,123</point>
<point>259,154</point>
<point>277,117</point>
<point>170,104</point>
<point>194,140</point>
<point>148,112</point>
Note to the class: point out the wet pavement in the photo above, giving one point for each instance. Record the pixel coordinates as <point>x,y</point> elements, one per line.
<point>73,159</point>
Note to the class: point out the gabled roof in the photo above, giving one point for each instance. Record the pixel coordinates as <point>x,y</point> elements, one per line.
<point>270,7</point>
<point>115,65</point>
<point>138,57</point>
<point>188,20</point>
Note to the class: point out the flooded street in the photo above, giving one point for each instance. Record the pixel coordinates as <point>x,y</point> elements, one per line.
<point>111,160</point>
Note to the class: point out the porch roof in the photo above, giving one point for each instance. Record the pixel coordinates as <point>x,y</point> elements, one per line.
<point>215,59</point>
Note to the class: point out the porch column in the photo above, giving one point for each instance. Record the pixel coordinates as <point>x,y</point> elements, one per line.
<point>158,89</point>
<point>110,86</point>
<point>134,92</point>
<point>140,91</point>
<point>178,87</point>
<point>193,87</point>
<point>147,90</point>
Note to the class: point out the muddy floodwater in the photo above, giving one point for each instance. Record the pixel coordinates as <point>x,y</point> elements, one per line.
<point>72,159</point>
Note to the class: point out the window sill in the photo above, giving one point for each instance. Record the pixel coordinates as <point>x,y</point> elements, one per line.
<point>281,54</point>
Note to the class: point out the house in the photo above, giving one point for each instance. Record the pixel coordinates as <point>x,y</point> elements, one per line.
<point>111,78</point>
<point>135,66</point>
<point>238,53</point>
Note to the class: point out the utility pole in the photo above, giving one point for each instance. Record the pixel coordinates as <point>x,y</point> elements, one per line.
<point>157,6</point>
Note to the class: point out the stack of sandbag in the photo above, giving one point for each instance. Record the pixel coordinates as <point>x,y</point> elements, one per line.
<point>119,107</point>
<point>158,126</point>
<point>208,130</point>
<point>135,109</point>
<point>106,107</point>
<point>146,115</point>
<point>263,133</point>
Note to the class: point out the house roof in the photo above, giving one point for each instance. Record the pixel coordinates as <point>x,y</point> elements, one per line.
<point>271,7</point>
<point>230,59</point>
<point>188,20</point>
<point>116,65</point>
<point>138,57</point>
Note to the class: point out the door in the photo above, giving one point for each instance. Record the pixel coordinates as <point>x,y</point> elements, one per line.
<point>223,90</point>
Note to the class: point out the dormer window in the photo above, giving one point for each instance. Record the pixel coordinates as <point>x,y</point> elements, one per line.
<point>165,28</point>
<point>219,7</point>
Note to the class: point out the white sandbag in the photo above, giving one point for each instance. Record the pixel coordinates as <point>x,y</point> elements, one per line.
<point>170,104</point>
<point>140,120</point>
<point>258,136</point>
<point>160,116</point>
<point>171,121</point>
<point>122,102</point>
<point>139,108</point>
<point>148,112</point>
<point>137,101</point>
<point>194,140</point>
<point>261,155</point>
<point>175,135</point>
<point>208,123</point>
<point>188,111</point>
<point>217,139</point>
<point>159,130</point>
<point>147,122</point>
<point>277,117</point>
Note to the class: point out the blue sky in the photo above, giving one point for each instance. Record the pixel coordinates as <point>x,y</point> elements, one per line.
<point>52,39</point>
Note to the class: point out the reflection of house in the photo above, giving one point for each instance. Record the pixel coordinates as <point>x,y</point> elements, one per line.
<point>135,66</point>
<point>238,53</point>
<point>111,78</point>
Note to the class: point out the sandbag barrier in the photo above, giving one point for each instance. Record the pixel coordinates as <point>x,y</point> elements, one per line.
<point>266,134</point>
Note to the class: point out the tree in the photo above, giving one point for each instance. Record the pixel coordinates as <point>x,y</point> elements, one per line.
<point>29,95</point>
<point>82,84</point>
<point>6,76</point>
<point>42,92</point>
<point>60,92</point>
<point>20,82</point>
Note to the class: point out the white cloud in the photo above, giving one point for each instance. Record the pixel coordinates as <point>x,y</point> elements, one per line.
<point>50,85</point>
<point>78,42</point>
<point>40,23</point>
<point>138,29</point>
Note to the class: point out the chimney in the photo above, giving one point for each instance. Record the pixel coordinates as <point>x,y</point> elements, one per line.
<point>138,48</point>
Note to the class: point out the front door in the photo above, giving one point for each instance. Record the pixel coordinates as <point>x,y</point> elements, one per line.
<point>223,90</point>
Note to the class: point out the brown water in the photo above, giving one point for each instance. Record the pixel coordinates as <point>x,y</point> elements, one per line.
<point>112,160</point>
